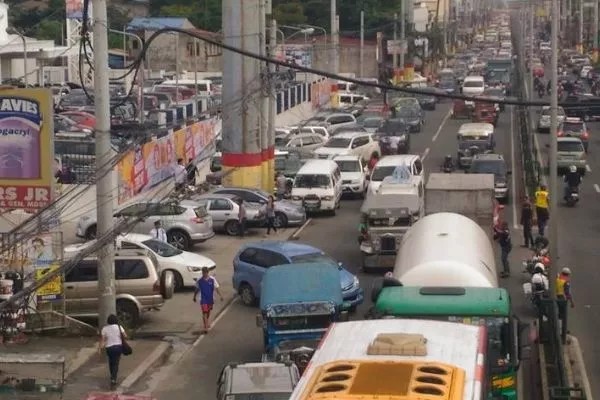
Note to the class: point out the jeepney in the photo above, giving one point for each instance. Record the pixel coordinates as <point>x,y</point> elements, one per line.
<point>385,218</point>
<point>298,302</point>
<point>474,138</point>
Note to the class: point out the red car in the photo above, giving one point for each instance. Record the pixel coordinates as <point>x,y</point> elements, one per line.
<point>82,118</point>
<point>538,70</point>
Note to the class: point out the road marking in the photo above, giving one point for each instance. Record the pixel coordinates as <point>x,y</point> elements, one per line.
<point>514,168</point>
<point>587,168</point>
<point>597,188</point>
<point>221,315</point>
<point>297,232</point>
<point>425,154</point>
<point>439,130</point>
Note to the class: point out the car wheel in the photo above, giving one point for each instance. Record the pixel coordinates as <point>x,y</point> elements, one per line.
<point>247,295</point>
<point>177,280</point>
<point>90,234</point>
<point>179,239</point>
<point>232,228</point>
<point>280,220</point>
<point>167,284</point>
<point>128,314</point>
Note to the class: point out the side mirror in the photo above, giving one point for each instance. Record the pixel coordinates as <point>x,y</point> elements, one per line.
<point>259,320</point>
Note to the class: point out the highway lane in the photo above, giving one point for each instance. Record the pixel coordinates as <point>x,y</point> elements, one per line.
<point>578,249</point>
<point>236,338</point>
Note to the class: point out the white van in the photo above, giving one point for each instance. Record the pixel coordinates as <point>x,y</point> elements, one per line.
<point>410,194</point>
<point>205,86</point>
<point>318,186</point>
<point>473,85</point>
<point>388,164</point>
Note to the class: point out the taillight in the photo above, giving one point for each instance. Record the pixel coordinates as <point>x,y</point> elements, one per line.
<point>585,135</point>
<point>156,287</point>
<point>197,220</point>
<point>559,133</point>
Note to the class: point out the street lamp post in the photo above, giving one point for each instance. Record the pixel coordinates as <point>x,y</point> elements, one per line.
<point>13,31</point>
<point>140,75</point>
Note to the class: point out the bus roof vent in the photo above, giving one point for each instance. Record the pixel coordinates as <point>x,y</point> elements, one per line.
<point>398,344</point>
<point>386,379</point>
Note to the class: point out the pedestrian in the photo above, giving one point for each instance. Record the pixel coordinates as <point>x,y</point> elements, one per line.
<point>207,286</point>
<point>271,215</point>
<point>281,185</point>
<point>111,340</point>
<point>527,222</point>
<point>242,218</point>
<point>158,232</point>
<point>541,208</point>
<point>564,296</point>
<point>180,175</point>
<point>502,235</point>
<point>192,172</point>
<point>373,161</point>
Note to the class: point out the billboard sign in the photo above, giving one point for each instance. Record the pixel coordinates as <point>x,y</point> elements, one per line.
<point>74,9</point>
<point>26,148</point>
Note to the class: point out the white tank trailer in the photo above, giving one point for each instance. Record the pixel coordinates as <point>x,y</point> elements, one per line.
<point>446,249</point>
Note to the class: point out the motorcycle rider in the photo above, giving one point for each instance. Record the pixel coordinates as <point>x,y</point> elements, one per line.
<point>572,180</point>
<point>448,163</point>
<point>536,83</point>
<point>540,285</point>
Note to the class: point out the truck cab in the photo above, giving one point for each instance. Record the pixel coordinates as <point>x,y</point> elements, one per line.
<point>298,302</point>
<point>267,380</point>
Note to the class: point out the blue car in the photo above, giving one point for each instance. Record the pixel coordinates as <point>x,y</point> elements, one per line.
<point>252,260</point>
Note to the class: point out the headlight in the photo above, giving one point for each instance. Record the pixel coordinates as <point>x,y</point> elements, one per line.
<point>194,269</point>
<point>296,198</point>
<point>355,281</point>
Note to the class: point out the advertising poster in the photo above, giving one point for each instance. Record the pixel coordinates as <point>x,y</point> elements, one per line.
<point>154,162</point>
<point>74,9</point>
<point>52,290</point>
<point>26,155</point>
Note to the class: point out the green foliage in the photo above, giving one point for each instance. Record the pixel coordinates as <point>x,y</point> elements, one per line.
<point>203,14</point>
<point>289,13</point>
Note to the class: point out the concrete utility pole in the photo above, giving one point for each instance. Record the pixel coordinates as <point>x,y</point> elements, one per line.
<point>531,47</point>
<point>595,32</point>
<point>402,33</point>
<point>446,32</point>
<point>336,45</point>
<point>264,103</point>
<point>580,40</point>
<point>555,192</point>
<point>104,187</point>
<point>334,38</point>
<point>395,38</point>
<point>241,96</point>
<point>272,96</point>
<point>362,44</point>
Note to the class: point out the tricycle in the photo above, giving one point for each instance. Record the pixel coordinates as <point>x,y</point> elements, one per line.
<point>460,109</point>
<point>485,112</point>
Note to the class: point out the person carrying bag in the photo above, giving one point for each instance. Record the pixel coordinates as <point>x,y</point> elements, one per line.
<point>113,339</point>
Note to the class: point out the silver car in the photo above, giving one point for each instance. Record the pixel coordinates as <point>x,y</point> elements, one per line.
<point>544,121</point>
<point>286,212</point>
<point>570,151</point>
<point>225,208</point>
<point>186,222</point>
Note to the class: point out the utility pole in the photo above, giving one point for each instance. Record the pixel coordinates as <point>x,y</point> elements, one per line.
<point>580,40</point>
<point>554,190</point>
<point>402,33</point>
<point>272,93</point>
<point>196,44</point>
<point>336,45</point>
<point>104,189</point>
<point>264,102</point>
<point>362,44</point>
<point>395,53</point>
<point>595,32</point>
<point>334,37</point>
<point>445,30</point>
<point>176,68</point>
<point>531,42</point>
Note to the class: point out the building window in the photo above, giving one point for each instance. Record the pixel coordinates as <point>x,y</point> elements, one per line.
<point>135,45</point>
<point>190,49</point>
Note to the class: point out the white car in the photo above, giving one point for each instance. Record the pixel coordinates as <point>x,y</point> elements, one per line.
<point>354,174</point>
<point>585,70</point>
<point>186,266</point>
<point>349,143</point>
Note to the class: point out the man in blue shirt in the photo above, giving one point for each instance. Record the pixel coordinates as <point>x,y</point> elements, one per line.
<point>206,286</point>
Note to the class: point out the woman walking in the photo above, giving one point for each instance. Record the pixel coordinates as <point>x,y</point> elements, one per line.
<point>111,340</point>
<point>271,215</point>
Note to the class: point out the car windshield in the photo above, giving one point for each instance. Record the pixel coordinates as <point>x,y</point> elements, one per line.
<point>473,84</point>
<point>371,122</point>
<point>317,119</point>
<point>338,143</point>
<point>392,128</point>
<point>312,258</point>
<point>447,83</point>
<point>309,181</point>
<point>572,127</point>
<point>546,112</point>
<point>496,167</point>
<point>379,173</point>
<point>406,112</point>
<point>280,141</point>
<point>349,165</point>
<point>570,147</point>
<point>161,248</point>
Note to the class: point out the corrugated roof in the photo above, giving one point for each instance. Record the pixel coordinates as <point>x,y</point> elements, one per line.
<point>157,23</point>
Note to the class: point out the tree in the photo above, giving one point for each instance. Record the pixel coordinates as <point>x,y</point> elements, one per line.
<point>289,13</point>
<point>50,30</point>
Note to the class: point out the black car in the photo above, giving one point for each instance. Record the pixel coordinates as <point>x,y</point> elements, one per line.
<point>582,106</point>
<point>393,137</point>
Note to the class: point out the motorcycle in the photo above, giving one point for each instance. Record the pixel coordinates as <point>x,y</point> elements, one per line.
<point>447,168</point>
<point>539,257</point>
<point>536,297</point>
<point>572,197</point>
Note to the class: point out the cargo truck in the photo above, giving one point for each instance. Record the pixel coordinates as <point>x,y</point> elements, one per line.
<point>446,270</point>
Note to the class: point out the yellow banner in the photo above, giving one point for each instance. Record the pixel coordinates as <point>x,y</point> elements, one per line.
<point>52,290</point>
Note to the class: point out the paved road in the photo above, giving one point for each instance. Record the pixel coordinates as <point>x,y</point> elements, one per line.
<point>578,247</point>
<point>236,338</point>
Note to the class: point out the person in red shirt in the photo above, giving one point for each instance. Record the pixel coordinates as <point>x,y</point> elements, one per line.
<point>373,161</point>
